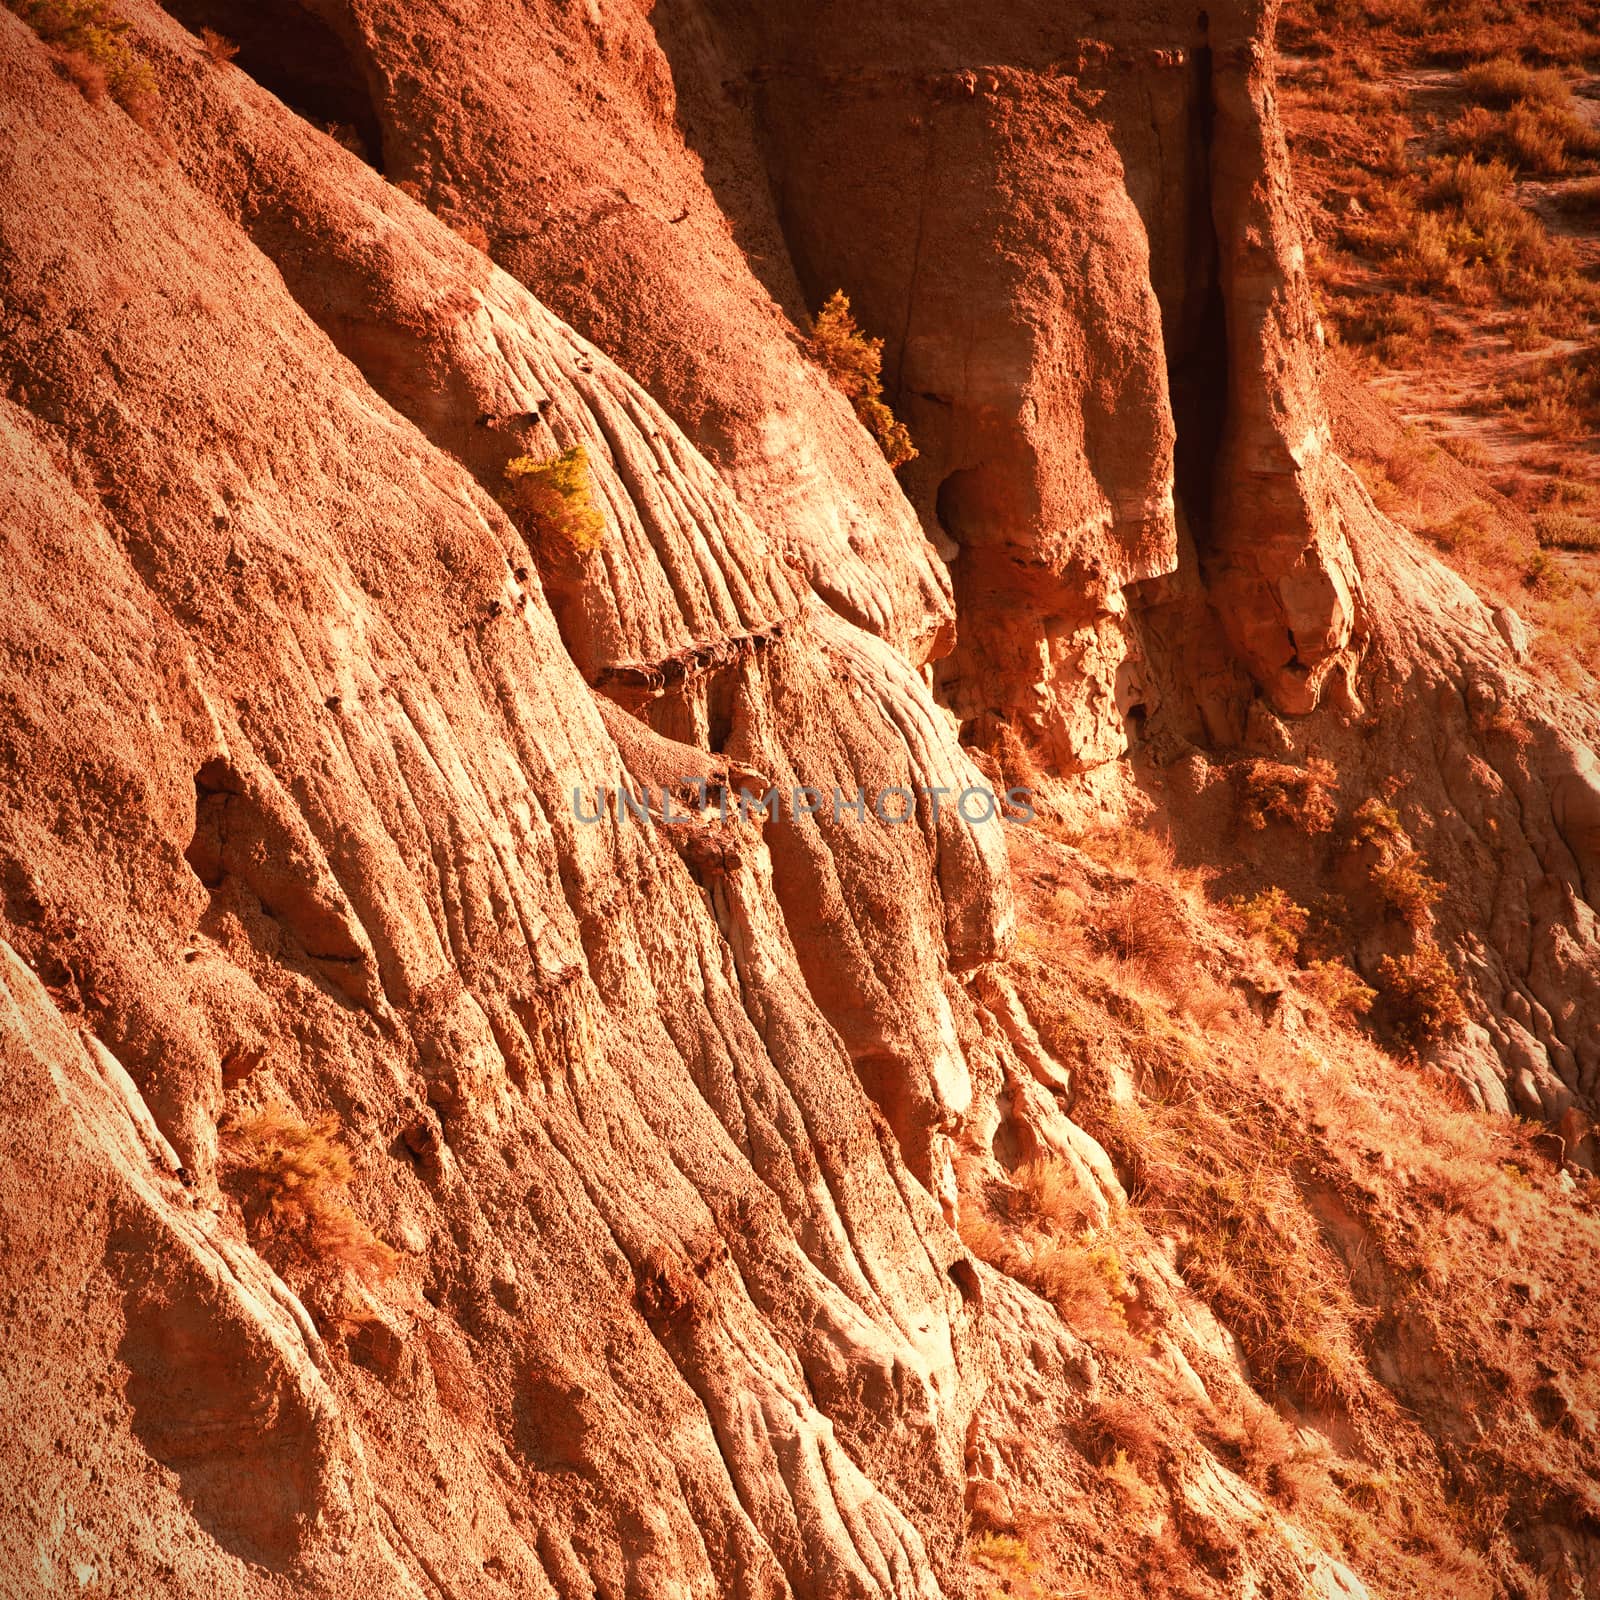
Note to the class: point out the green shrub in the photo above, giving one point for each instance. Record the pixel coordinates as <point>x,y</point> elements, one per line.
<point>1403,888</point>
<point>1336,985</point>
<point>1376,823</point>
<point>89,37</point>
<point>1274,919</point>
<point>855,364</point>
<point>1328,933</point>
<point>1421,996</point>
<point>553,498</point>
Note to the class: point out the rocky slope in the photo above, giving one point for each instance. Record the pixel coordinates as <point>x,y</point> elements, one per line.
<point>681,1245</point>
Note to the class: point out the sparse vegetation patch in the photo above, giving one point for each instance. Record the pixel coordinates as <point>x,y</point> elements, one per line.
<point>90,37</point>
<point>1300,797</point>
<point>855,364</point>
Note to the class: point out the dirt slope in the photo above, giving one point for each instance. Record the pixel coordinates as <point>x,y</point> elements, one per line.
<point>420,1190</point>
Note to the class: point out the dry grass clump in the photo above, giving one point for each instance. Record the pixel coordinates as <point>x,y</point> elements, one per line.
<point>1275,1461</point>
<point>1393,327</point>
<point>1143,854</point>
<point>1567,530</point>
<point>1542,136</point>
<point>1002,1553</point>
<point>1459,231</point>
<point>1249,1246</point>
<point>1140,1500</point>
<point>1143,927</point>
<point>1399,481</point>
<point>475,234</point>
<point>290,1177</point>
<point>1470,452</point>
<point>1200,1160</point>
<point>1049,1195</point>
<point>1018,759</point>
<point>1503,81</point>
<point>1421,996</point>
<point>1124,1427</point>
<point>1034,1228</point>
<point>1569,638</point>
<point>1085,1282</point>
<point>1562,396</point>
<point>89,37</point>
<point>218,46</point>
<point>1300,797</point>
<point>1471,532</point>
<point>1580,199</point>
<point>1501,560</point>
<point>553,498</point>
<point>1400,882</point>
<point>854,362</point>
<point>1128,849</point>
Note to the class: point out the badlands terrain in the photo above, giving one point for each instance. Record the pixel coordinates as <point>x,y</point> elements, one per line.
<point>1151,1157</point>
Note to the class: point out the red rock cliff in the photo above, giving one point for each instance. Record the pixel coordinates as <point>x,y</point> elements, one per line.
<point>659,1122</point>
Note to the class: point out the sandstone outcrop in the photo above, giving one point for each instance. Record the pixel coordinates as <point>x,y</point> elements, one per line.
<point>666,1124</point>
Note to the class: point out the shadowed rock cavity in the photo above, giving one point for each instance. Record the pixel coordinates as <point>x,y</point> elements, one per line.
<point>296,54</point>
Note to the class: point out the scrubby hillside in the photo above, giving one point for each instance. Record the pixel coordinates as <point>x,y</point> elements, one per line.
<point>1450,162</point>
<point>1177,1180</point>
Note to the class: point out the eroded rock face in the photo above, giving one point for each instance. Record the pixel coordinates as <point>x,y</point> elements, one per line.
<point>1076,242</point>
<point>1100,318</point>
<point>344,868</point>
<point>659,1117</point>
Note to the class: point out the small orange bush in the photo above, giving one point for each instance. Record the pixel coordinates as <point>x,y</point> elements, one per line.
<point>855,364</point>
<point>219,47</point>
<point>1299,796</point>
<point>1335,984</point>
<point>1274,919</point>
<point>553,495</point>
<point>291,1175</point>
<point>1376,823</point>
<point>1421,996</point>
<point>1404,889</point>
